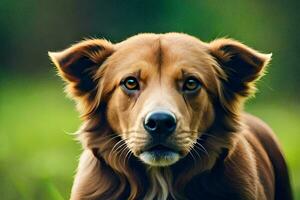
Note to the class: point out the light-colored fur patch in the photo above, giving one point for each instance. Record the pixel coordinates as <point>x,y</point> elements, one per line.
<point>160,185</point>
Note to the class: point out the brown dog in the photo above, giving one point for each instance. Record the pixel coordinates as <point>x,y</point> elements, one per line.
<point>163,119</point>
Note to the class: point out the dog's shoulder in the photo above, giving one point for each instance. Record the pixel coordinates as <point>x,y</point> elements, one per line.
<point>259,128</point>
<point>265,143</point>
<point>259,132</point>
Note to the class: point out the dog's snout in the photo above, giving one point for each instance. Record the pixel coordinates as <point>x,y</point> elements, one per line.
<point>160,123</point>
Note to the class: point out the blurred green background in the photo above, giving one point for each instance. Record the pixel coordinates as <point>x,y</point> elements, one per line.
<point>38,156</point>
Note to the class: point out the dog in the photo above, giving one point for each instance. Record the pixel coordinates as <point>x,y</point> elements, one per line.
<point>163,119</point>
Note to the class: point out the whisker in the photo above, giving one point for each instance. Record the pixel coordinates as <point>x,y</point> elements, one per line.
<point>120,147</point>
<point>116,145</point>
<point>201,148</point>
<point>196,152</point>
<point>112,138</point>
<point>191,154</point>
<point>127,156</point>
<point>123,149</point>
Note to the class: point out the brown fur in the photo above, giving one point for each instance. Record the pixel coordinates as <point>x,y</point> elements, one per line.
<point>225,154</point>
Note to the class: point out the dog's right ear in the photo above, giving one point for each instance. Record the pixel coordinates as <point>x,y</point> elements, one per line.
<point>242,64</point>
<point>78,64</point>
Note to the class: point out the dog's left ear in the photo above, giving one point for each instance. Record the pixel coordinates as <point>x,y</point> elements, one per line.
<point>241,64</point>
<point>78,64</point>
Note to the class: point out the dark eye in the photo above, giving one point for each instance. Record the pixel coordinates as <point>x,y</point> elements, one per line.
<point>191,84</point>
<point>131,83</point>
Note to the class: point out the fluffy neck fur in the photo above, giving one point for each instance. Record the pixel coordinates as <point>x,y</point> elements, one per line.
<point>160,183</point>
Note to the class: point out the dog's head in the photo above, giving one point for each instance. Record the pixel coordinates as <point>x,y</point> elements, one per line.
<point>158,94</point>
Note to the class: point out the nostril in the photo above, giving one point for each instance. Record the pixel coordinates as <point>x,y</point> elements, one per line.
<point>170,124</point>
<point>151,124</point>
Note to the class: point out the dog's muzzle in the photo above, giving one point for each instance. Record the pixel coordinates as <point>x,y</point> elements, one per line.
<point>160,125</point>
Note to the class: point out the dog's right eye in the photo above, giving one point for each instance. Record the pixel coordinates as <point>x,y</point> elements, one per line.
<point>130,83</point>
<point>191,84</point>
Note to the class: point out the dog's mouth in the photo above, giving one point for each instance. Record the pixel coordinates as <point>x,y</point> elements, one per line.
<point>160,149</point>
<point>160,155</point>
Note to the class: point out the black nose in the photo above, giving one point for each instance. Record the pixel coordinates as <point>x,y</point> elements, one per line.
<point>160,123</point>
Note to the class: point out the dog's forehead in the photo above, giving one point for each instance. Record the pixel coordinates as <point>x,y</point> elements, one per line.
<point>161,50</point>
<point>175,41</point>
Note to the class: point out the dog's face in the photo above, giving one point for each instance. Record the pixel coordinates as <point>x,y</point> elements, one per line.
<point>161,99</point>
<point>159,91</point>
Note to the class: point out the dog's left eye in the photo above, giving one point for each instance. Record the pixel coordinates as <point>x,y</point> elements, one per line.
<point>191,84</point>
<point>130,83</point>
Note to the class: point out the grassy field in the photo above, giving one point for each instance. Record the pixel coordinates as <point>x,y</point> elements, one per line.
<point>38,156</point>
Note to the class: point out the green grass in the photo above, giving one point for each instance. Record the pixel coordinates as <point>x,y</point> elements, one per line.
<point>38,157</point>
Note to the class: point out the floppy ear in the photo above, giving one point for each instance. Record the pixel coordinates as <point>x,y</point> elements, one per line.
<point>241,64</point>
<point>78,64</point>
